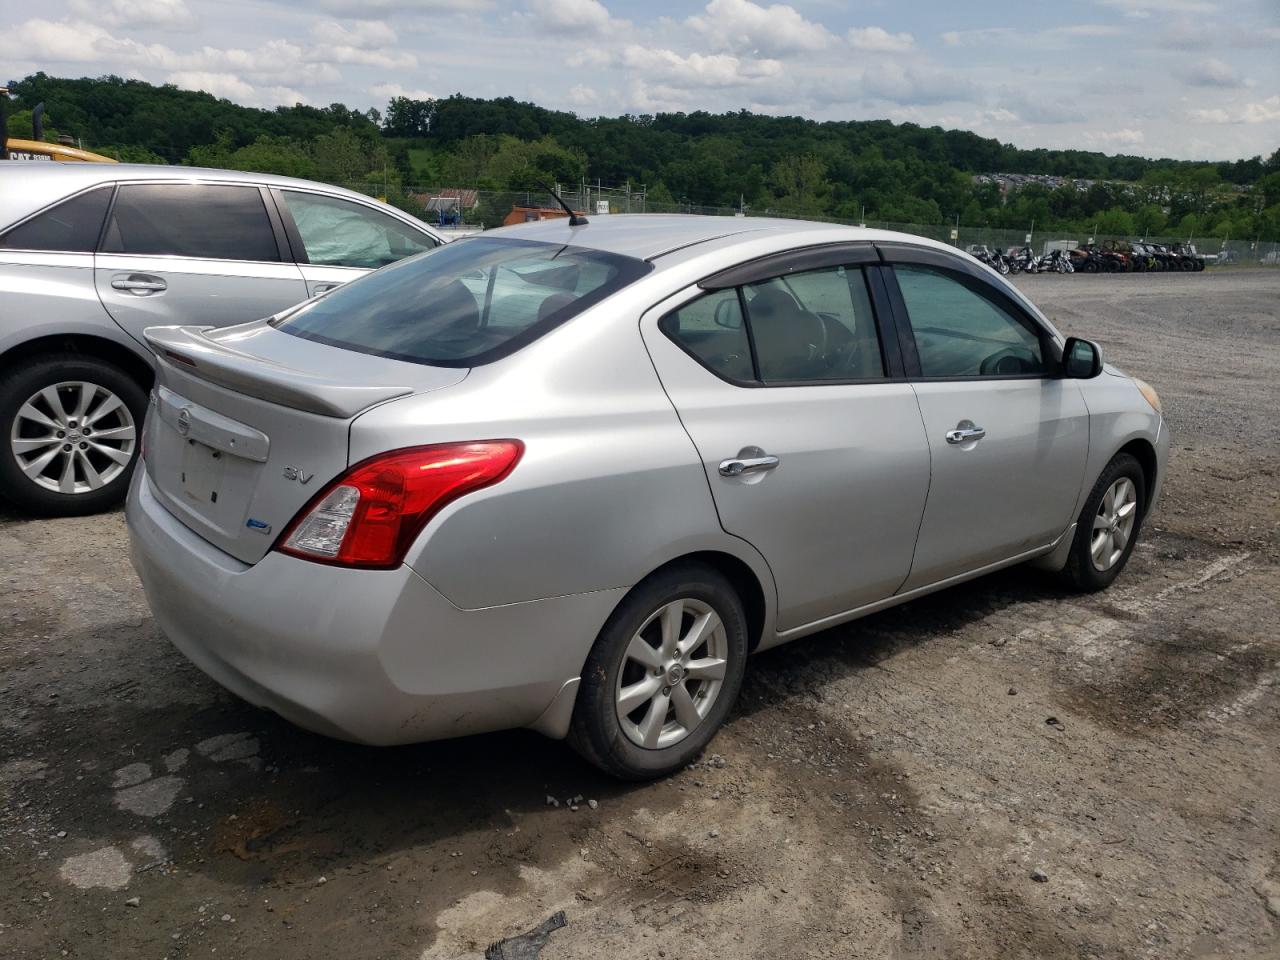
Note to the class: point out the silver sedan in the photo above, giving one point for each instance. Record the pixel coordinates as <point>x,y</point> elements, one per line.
<point>569,476</point>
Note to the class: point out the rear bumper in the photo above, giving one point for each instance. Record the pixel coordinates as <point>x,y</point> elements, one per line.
<point>373,656</point>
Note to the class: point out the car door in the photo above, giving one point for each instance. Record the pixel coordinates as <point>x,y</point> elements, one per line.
<point>336,239</point>
<point>809,435</point>
<point>192,253</point>
<point>1008,436</point>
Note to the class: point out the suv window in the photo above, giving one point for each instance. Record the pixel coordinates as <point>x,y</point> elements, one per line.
<point>70,227</point>
<point>340,233</point>
<point>815,325</point>
<point>961,333</point>
<point>212,222</point>
<point>465,303</point>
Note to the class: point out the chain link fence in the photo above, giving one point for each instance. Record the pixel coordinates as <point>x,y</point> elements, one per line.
<point>466,211</point>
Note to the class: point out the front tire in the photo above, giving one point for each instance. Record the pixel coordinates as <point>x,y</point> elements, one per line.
<point>70,430</point>
<point>663,674</point>
<point>1108,526</point>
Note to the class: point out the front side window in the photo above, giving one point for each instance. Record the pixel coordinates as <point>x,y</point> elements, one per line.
<point>961,333</point>
<point>464,303</point>
<point>70,227</point>
<point>340,233</point>
<point>212,222</point>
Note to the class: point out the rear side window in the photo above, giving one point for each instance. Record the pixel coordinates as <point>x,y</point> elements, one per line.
<point>70,227</point>
<point>464,303</point>
<point>711,329</point>
<point>810,327</point>
<point>961,333</point>
<point>816,325</point>
<point>211,222</point>
<point>339,233</point>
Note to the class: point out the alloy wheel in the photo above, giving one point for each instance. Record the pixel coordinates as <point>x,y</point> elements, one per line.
<point>73,437</point>
<point>1113,524</point>
<point>671,674</point>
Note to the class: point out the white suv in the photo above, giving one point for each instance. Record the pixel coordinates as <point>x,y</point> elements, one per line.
<point>91,254</point>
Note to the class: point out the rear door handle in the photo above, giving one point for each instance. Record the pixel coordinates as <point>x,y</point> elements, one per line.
<point>964,434</point>
<point>737,466</point>
<point>320,288</point>
<point>139,284</point>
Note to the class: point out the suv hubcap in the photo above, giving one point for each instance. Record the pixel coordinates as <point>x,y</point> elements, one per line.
<point>1113,524</point>
<point>73,437</point>
<point>671,673</point>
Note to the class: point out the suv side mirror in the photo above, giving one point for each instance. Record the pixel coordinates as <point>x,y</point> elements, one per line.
<point>1081,359</point>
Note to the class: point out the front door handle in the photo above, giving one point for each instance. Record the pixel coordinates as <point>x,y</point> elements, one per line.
<point>739,465</point>
<point>320,288</point>
<point>965,432</point>
<point>139,284</point>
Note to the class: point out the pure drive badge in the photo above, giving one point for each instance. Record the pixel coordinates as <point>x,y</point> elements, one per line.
<point>258,525</point>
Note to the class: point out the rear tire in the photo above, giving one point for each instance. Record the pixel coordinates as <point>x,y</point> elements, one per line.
<point>70,433</point>
<point>1097,554</point>
<point>636,662</point>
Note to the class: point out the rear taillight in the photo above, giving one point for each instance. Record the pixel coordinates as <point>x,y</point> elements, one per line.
<point>370,515</point>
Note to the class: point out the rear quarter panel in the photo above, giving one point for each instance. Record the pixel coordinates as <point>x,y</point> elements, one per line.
<point>609,488</point>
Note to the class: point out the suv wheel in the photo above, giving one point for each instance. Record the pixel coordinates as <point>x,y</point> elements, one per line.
<point>70,429</point>
<point>663,674</point>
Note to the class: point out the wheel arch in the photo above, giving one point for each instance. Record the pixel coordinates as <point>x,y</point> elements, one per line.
<point>1144,452</point>
<point>88,345</point>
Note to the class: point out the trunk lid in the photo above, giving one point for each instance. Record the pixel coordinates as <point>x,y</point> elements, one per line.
<point>248,423</point>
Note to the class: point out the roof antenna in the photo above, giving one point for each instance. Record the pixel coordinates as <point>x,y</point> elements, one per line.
<point>575,220</point>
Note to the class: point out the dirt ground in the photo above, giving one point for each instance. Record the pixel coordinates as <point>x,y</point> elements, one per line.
<point>884,790</point>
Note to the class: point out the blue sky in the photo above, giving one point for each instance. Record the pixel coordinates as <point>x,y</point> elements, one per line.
<point>1195,79</point>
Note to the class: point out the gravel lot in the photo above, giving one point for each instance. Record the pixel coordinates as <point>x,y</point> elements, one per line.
<point>1002,769</point>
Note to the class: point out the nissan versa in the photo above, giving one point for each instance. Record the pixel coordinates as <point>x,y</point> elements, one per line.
<point>568,476</point>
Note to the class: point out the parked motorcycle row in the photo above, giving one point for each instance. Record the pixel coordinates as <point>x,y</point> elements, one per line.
<point>1114,256</point>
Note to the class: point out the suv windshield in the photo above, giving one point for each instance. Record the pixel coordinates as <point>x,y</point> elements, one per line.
<point>465,303</point>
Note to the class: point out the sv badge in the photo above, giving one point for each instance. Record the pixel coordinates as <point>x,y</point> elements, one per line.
<point>296,473</point>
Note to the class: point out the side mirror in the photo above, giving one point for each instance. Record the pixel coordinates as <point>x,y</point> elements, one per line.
<point>1081,359</point>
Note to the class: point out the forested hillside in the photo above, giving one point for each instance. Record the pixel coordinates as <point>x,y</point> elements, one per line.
<point>894,172</point>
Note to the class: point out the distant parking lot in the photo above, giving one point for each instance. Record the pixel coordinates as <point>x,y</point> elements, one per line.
<point>1001,769</point>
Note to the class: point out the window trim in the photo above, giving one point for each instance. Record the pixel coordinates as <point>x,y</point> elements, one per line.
<point>801,260</point>
<point>281,257</point>
<point>972,279</point>
<point>102,227</point>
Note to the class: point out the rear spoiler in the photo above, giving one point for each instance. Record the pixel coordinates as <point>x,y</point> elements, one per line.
<point>190,351</point>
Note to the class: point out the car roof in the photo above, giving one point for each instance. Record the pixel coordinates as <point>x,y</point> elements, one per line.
<point>30,185</point>
<point>650,236</point>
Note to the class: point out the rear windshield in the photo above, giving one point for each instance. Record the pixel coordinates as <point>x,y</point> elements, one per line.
<point>465,303</point>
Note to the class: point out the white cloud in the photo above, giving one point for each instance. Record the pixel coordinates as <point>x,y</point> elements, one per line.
<point>583,96</point>
<point>574,16</point>
<point>698,70</point>
<point>1142,9</point>
<point>879,40</point>
<point>1264,111</point>
<point>592,57</point>
<point>231,87</point>
<point>1212,73</point>
<point>152,14</point>
<point>743,26</point>
<point>362,34</point>
<point>1124,137</point>
<point>389,91</point>
<point>1051,37</point>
